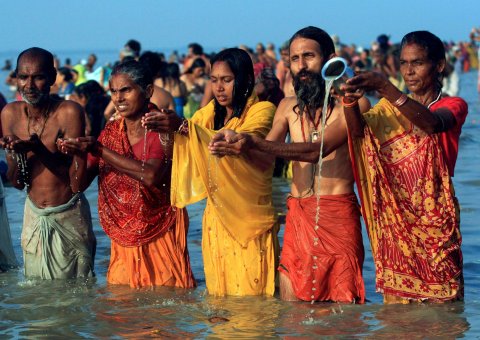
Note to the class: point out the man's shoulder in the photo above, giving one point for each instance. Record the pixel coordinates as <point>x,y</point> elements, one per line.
<point>287,105</point>
<point>68,109</point>
<point>12,109</point>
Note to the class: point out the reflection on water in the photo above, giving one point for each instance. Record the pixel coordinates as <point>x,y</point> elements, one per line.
<point>93,309</point>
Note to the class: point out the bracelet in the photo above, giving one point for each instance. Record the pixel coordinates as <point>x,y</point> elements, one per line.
<point>401,100</point>
<point>351,104</point>
<point>183,128</point>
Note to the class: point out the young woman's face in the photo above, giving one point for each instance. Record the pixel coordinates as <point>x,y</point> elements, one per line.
<point>223,80</point>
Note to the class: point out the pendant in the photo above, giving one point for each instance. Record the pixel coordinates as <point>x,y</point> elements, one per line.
<point>314,135</point>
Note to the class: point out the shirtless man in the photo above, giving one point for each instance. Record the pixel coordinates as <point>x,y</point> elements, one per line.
<point>322,254</point>
<point>57,235</point>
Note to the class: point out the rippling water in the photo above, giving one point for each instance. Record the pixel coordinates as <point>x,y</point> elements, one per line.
<point>91,309</point>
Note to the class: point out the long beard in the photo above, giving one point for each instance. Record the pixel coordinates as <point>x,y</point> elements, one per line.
<point>310,92</point>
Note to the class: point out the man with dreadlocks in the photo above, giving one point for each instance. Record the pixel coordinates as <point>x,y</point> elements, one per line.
<point>322,254</point>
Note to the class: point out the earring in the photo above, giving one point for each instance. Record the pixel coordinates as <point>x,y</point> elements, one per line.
<point>246,93</point>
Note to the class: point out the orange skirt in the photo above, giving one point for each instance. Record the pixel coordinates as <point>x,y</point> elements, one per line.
<point>162,262</point>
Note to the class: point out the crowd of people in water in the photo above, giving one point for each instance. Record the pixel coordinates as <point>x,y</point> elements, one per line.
<point>160,133</point>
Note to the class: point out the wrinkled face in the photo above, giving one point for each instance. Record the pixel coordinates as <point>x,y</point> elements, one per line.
<point>420,73</point>
<point>33,80</point>
<point>305,58</point>
<point>129,98</point>
<point>222,79</point>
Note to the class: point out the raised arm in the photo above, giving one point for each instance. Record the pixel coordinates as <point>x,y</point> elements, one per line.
<point>439,120</point>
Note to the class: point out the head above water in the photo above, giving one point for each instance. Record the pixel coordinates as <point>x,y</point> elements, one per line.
<point>134,46</point>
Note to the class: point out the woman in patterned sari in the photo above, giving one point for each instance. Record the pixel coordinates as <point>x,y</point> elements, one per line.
<point>404,151</point>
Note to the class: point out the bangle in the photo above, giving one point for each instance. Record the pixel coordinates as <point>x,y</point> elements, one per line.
<point>351,104</point>
<point>183,128</point>
<point>401,100</point>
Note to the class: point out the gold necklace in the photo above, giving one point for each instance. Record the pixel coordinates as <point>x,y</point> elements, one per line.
<point>46,115</point>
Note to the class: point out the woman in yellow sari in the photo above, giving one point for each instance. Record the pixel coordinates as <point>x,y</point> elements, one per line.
<point>404,151</point>
<point>239,242</point>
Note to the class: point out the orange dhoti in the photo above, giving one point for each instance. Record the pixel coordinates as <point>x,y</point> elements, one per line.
<point>324,264</point>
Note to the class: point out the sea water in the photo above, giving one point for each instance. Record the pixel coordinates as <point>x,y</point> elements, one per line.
<point>92,309</point>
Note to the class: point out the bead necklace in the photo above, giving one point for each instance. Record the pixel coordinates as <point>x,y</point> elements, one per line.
<point>315,133</point>
<point>46,115</point>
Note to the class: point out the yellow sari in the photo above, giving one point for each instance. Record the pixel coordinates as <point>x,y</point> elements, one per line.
<point>239,240</point>
<point>409,208</point>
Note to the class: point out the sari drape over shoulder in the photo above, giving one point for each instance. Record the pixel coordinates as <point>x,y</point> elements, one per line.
<point>148,235</point>
<point>409,207</point>
<point>239,207</point>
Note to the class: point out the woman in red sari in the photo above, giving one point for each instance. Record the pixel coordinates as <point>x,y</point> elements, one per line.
<point>404,151</point>
<point>148,235</point>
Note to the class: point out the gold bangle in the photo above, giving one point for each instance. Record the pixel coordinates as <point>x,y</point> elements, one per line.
<point>401,100</point>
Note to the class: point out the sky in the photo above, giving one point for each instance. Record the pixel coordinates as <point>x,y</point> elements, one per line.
<point>93,25</point>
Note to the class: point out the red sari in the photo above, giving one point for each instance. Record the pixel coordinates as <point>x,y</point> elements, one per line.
<point>148,235</point>
<point>409,208</point>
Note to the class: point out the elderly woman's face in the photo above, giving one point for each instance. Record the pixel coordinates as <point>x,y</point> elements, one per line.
<point>129,99</point>
<point>417,70</point>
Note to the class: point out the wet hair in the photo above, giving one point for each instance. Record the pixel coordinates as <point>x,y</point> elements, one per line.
<point>199,62</point>
<point>134,46</point>
<point>138,72</point>
<point>241,66</point>
<point>432,44</point>
<point>65,71</point>
<point>327,46</point>
<point>197,49</point>
<point>45,57</point>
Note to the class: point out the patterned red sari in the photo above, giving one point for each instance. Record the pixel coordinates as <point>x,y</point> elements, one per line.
<point>130,213</point>
<point>409,208</point>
